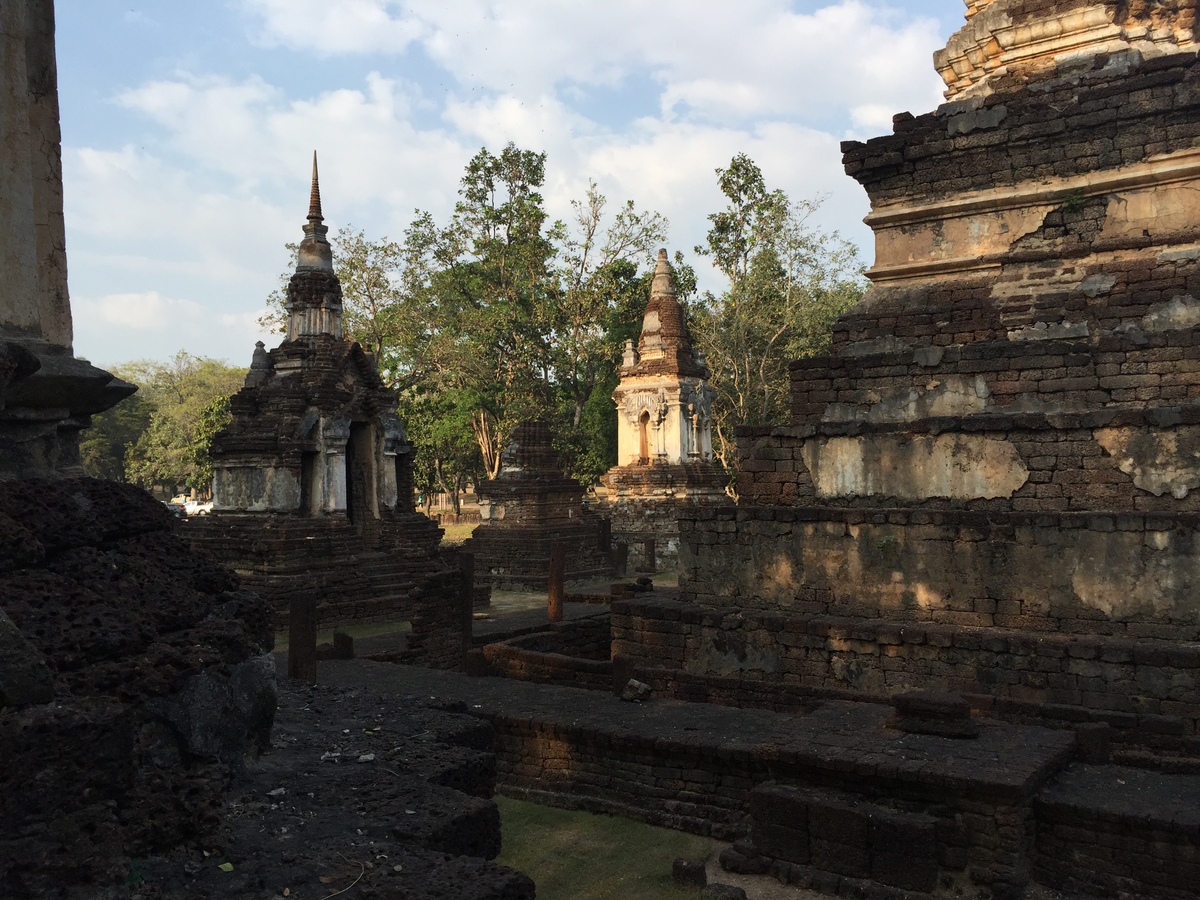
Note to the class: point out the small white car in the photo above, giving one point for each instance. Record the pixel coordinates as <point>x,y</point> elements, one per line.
<point>197,507</point>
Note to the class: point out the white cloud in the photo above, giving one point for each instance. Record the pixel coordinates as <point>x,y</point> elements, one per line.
<point>343,26</point>
<point>148,311</point>
<point>175,238</point>
<point>120,327</point>
<point>711,58</point>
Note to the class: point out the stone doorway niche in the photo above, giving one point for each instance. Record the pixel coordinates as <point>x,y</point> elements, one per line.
<point>360,473</point>
<point>644,438</point>
<point>310,483</point>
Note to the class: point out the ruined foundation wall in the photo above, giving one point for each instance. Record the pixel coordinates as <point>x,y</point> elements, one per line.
<point>1146,690</point>
<point>355,580</point>
<point>647,502</point>
<point>518,557</point>
<point>977,829</point>
<point>573,654</point>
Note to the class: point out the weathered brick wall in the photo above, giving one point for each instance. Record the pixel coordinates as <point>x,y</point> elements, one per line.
<point>438,638</point>
<point>1090,119</point>
<point>518,555</point>
<point>1062,145</point>
<point>786,660</point>
<point>575,654</point>
<point>676,787</point>
<point>1064,462</point>
<point>1103,831</point>
<point>1127,575</point>
<point>1159,369</point>
<point>820,834</point>
<point>981,836</point>
<point>647,502</point>
<point>378,577</point>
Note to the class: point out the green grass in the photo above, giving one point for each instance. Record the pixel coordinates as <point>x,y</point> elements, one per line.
<point>456,534</point>
<point>584,856</point>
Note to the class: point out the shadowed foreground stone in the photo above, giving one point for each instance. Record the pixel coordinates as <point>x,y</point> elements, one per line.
<point>143,684</point>
<point>363,791</point>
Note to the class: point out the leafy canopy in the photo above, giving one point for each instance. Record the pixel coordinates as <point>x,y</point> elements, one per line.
<point>787,284</point>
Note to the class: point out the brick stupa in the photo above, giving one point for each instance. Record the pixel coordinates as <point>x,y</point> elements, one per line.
<point>664,429</point>
<point>529,506</point>
<point>312,490</point>
<point>989,485</point>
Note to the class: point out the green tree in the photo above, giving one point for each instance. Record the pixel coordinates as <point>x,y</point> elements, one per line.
<point>483,283</point>
<point>788,283</point>
<point>447,458</point>
<point>215,416</point>
<point>500,314</point>
<point>185,399</point>
<point>597,269</point>
<point>104,444</point>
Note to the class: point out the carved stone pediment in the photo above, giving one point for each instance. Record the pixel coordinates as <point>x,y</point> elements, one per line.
<point>652,400</point>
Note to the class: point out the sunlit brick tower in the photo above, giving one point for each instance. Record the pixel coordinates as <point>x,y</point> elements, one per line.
<point>664,429</point>
<point>990,484</point>
<point>312,486</point>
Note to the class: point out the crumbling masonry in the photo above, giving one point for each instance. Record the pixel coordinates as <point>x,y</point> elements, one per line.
<point>988,486</point>
<point>312,492</point>
<point>526,509</point>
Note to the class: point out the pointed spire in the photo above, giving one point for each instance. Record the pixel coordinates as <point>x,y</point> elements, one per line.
<point>664,279</point>
<point>665,345</point>
<point>314,195</point>
<point>315,252</point>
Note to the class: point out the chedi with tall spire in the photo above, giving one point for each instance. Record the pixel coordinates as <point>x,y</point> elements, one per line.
<point>313,474</point>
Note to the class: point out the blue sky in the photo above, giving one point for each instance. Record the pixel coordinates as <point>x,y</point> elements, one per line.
<point>188,127</point>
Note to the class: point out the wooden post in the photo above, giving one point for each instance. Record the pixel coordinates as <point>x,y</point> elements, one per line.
<point>302,638</point>
<point>466,598</point>
<point>558,572</point>
<point>621,563</point>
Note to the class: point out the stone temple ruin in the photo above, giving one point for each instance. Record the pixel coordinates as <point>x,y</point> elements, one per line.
<point>664,465</point>
<point>312,491</point>
<point>137,687</point>
<point>944,646</point>
<point>965,568</point>
<point>526,509</point>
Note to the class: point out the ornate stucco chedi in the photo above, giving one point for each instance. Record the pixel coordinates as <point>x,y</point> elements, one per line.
<point>664,426</point>
<point>664,403</point>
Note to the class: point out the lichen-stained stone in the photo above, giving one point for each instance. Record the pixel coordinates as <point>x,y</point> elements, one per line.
<point>961,467</point>
<point>1160,462</point>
